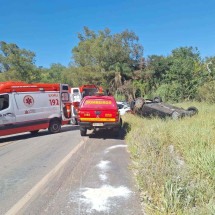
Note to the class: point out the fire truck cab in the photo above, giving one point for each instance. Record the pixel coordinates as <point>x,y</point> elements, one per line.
<point>31,107</point>
<point>89,90</point>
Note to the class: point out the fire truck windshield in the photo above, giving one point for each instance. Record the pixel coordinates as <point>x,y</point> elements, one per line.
<point>89,92</point>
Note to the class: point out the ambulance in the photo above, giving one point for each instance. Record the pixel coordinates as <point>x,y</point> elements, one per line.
<point>31,107</point>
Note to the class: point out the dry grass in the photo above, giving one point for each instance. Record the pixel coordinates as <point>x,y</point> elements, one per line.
<point>174,161</point>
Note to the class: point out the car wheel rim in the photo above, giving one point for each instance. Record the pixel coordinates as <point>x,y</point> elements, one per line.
<point>55,127</point>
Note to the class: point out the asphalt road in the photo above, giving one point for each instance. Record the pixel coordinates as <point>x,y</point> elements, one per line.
<point>65,173</point>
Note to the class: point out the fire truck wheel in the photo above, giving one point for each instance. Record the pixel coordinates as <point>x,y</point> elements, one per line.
<point>83,132</point>
<point>120,122</point>
<point>34,132</point>
<point>54,126</point>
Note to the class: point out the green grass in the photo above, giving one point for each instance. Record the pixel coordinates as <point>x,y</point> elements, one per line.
<point>174,161</point>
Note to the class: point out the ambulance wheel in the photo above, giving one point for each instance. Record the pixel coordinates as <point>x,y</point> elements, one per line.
<point>83,132</point>
<point>54,126</point>
<point>34,132</point>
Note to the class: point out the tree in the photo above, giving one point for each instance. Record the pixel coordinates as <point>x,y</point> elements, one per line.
<point>184,74</point>
<point>206,90</point>
<point>53,74</point>
<point>209,66</point>
<point>104,50</point>
<point>154,72</point>
<point>158,65</point>
<point>77,76</point>
<point>18,62</point>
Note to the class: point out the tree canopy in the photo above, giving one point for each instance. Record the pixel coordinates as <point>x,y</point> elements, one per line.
<point>18,63</point>
<point>116,61</point>
<point>108,51</point>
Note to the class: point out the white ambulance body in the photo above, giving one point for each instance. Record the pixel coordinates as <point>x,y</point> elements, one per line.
<point>31,107</point>
<point>75,99</point>
<point>75,90</point>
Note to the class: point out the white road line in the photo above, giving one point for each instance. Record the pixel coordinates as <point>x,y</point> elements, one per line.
<point>24,200</point>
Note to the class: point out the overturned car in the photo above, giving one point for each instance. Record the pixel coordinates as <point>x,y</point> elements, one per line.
<point>155,107</point>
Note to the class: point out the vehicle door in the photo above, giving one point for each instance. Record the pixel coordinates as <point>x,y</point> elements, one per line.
<point>7,115</point>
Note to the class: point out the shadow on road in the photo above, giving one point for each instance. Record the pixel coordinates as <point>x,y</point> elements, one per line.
<point>108,134</point>
<point>21,136</point>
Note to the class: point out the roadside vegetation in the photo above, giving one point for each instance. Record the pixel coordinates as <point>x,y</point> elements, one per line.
<point>116,62</point>
<point>174,161</point>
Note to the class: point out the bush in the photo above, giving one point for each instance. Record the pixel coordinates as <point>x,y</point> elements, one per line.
<point>169,92</point>
<point>207,92</point>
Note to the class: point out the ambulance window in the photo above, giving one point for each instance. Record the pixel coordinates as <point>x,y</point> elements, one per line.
<point>75,91</point>
<point>4,101</point>
<point>65,87</point>
<point>65,97</point>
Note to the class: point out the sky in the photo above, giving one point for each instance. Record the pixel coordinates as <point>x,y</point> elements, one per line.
<point>50,27</point>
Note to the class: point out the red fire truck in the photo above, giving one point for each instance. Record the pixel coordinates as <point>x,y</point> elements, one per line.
<point>99,112</point>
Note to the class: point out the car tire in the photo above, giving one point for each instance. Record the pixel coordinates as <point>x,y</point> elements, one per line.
<point>157,99</point>
<point>193,109</point>
<point>83,132</point>
<point>34,132</point>
<point>54,126</point>
<point>120,122</point>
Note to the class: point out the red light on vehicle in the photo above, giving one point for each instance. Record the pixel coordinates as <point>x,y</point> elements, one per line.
<point>117,116</point>
<point>76,104</point>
